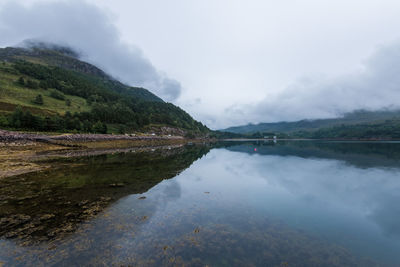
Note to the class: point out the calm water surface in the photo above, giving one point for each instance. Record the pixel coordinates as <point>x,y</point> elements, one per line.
<point>231,204</point>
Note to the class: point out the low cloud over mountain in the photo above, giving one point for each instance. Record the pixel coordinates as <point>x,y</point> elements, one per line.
<point>85,28</point>
<point>375,86</point>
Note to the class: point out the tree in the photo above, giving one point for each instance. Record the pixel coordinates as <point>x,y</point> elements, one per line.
<point>49,124</point>
<point>100,127</point>
<point>44,84</point>
<point>32,84</point>
<point>38,100</point>
<point>21,81</point>
<point>68,102</point>
<point>16,117</point>
<point>28,120</point>
<point>122,129</point>
<point>3,121</point>
<point>87,126</point>
<point>57,95</point>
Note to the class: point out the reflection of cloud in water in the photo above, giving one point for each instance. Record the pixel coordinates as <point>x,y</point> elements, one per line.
<point>172,191</point>
<point>156,198</point>
<point>372,192</point>
<point>386,215</point>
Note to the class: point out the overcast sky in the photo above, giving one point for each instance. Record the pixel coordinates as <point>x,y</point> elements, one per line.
<point>230,62</point>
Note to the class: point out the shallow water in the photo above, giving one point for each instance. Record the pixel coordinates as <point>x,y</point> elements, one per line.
<point>232,204</point>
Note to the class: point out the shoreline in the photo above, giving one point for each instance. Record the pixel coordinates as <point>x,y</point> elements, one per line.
<point>68,138</point>
<point>22,153</point>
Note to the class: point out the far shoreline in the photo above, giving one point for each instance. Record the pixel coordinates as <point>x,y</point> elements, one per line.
<point>305,139</point>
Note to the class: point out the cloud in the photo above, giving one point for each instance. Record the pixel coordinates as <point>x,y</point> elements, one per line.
<point>89,30</point>
<point>375,86</point>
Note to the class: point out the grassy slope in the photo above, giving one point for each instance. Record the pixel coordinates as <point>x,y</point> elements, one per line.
<point>48,57</point>
<point>12,94</point>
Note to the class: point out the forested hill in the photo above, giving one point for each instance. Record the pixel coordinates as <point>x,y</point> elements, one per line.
<point>358,124</point>
<point>52,90</point>
<point>66,58</point>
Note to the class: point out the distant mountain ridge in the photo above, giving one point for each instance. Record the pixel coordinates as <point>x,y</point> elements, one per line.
<point>354,118</point>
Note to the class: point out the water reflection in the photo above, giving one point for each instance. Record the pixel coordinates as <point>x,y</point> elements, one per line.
<point>47,205</point>
<point>286,204</point>
<point>360,154</point>
<point>351,199</point>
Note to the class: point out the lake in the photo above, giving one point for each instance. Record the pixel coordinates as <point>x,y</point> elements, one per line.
<point>299,203</point>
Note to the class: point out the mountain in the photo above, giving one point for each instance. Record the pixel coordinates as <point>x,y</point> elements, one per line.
<point>48,88</point>
<point>357,124</point>
<point>66,58</point>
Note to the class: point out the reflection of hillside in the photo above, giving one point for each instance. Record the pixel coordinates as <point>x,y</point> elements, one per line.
<point>360,154</point>
<point>46,205</point>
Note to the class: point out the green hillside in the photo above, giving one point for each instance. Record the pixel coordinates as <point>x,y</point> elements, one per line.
<point>13,94</point>
<point>51,90</point>
<point>67,59</point>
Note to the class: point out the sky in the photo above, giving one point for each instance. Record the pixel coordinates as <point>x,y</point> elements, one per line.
<point>231,62</point>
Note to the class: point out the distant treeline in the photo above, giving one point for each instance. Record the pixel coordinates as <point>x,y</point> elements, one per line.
<point>389,129</point>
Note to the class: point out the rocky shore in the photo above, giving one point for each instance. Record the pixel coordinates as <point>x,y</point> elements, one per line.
<point>10,136</point>
<point>22,152</point>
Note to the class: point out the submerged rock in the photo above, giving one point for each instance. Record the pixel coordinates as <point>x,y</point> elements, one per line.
<point>46,217</point>
<point>14,220</point>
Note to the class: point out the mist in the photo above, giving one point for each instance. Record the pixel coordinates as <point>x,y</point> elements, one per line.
<point>91,32</point>
<point>373,86</point>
